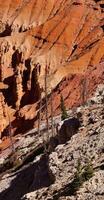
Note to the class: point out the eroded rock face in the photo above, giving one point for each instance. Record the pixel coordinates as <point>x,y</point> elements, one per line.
<point>67,36</point>
<point>3,113</point>
<point>51,176</point>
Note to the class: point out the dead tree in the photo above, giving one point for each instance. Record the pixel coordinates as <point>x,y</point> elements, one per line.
<point>52,121</point>
<point>46,98</point>
<point>39,114</point>
<point>10,135</point>
<point>46,110</point>
<point>84,90</point>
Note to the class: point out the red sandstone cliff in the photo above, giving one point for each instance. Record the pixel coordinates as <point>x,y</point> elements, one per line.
<point>65,35</point>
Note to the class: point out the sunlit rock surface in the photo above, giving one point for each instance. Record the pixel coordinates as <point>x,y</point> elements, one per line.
<point>67,36</point>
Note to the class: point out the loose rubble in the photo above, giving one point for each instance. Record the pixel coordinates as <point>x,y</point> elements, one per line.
<point>52,176</point>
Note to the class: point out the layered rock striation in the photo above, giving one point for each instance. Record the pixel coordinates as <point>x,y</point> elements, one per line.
<point>66,36</point>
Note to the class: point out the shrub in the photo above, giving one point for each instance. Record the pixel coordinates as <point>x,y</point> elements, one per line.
<point>88,172</point>
<point>82,174</point>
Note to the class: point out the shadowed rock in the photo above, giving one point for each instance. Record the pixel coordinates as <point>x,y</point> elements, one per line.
<point>68,129</point>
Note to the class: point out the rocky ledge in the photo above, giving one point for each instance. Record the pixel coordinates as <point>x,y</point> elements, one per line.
<point>71,170</point>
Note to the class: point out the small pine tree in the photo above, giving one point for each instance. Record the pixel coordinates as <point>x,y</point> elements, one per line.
<point>64,114</point>
<point>82,175</point>
<point>88,171</point>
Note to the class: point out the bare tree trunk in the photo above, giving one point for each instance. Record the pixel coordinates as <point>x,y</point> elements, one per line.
<point>39,114</point>
<point>46,109</point>
<point>10,136</point>
<point>52,121</point>
<point>84,91</point>
<point>46,99</point>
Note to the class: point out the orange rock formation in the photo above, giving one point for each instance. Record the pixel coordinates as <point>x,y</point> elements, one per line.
<point>65,35</point>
